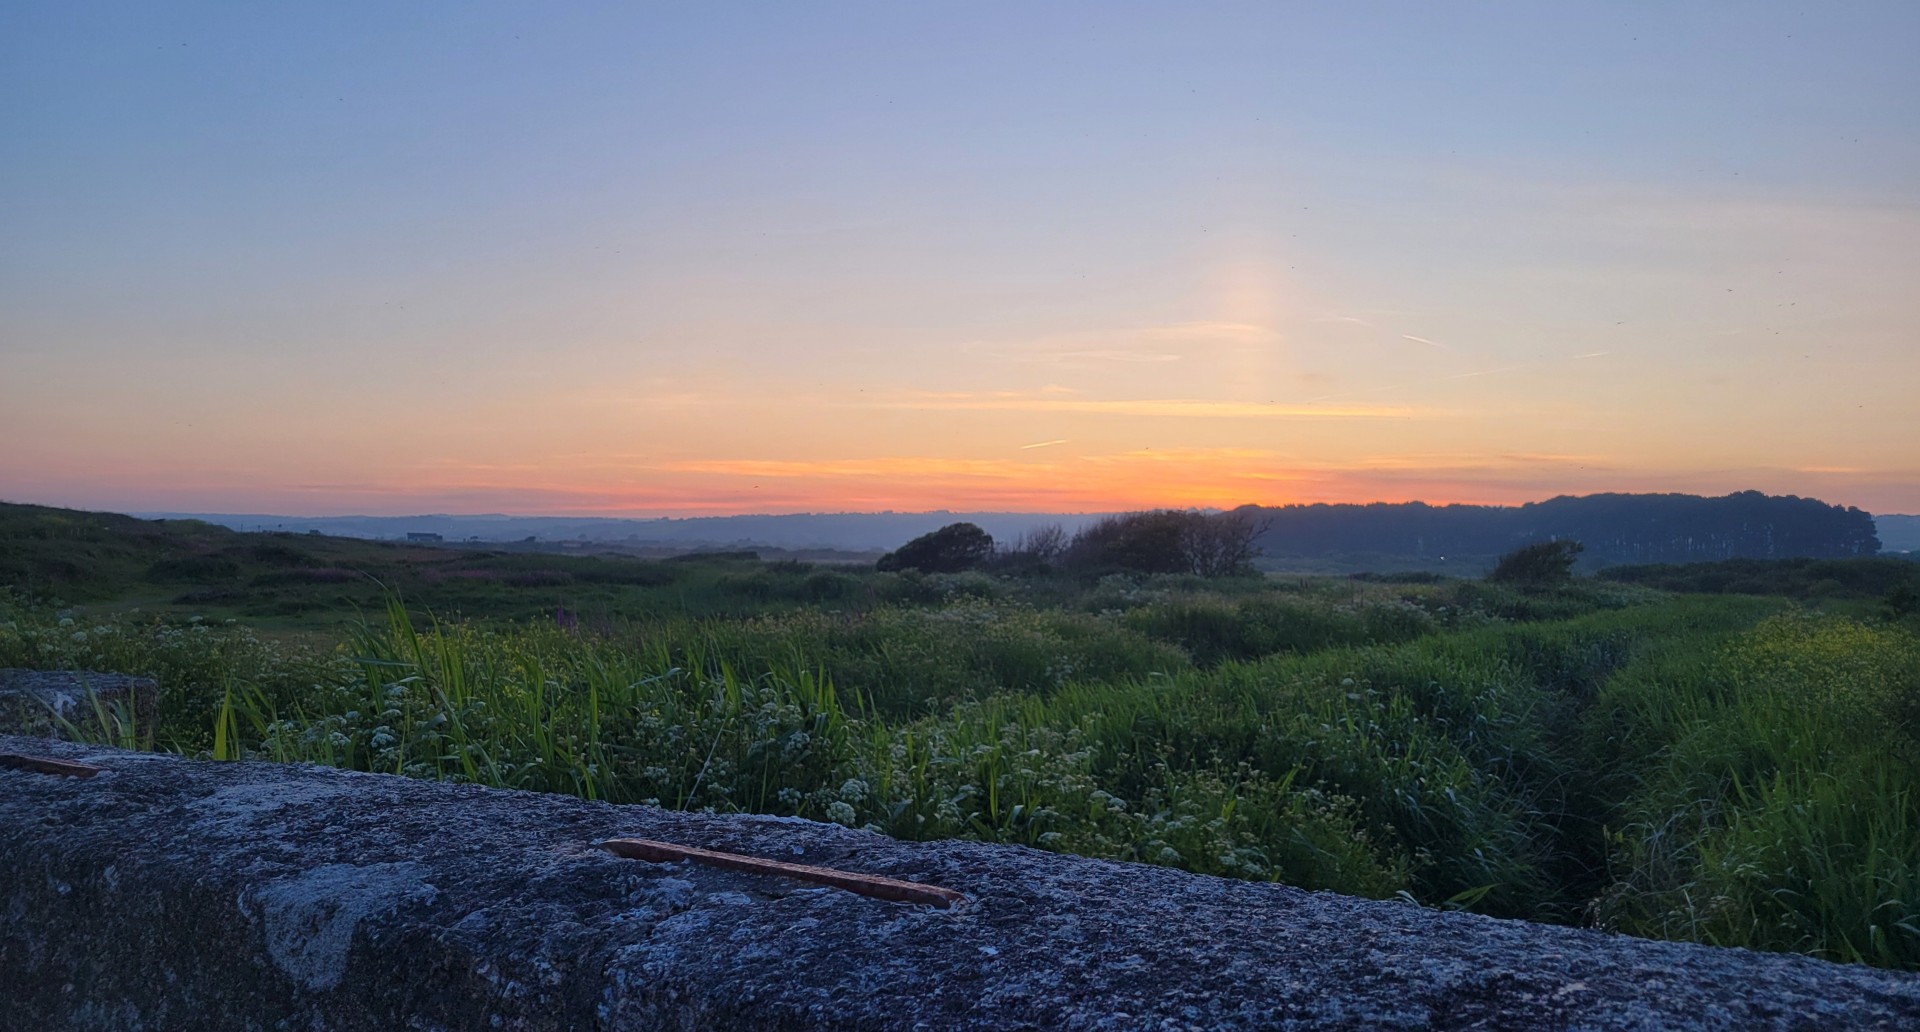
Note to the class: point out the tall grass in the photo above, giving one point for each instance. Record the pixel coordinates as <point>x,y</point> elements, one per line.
<point>1715,769</point>
<point>1766,798</point>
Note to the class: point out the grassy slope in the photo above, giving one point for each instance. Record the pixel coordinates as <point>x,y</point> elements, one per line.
<point>1808,579</point>
<point>103,562</point>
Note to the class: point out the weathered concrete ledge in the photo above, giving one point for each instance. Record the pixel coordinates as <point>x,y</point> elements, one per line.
<point>36,702</point>
<point>166,894</point>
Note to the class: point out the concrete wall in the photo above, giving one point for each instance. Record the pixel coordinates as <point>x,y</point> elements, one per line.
<point>48,702</point>
<point>167,894</point>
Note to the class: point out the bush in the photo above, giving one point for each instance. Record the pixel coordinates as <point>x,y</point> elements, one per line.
<point>278,555</point>
<point>829,586</point>
<point>1167,541</point>
<point>193,569</point>
<point>1541,563</point>
<point>951,549</point>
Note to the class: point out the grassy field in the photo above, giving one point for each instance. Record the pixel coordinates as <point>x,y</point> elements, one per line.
<point>1733,769</point>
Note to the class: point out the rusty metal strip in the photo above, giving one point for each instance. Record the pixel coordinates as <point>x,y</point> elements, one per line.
<point>48,765</point>
<point>864,884</point>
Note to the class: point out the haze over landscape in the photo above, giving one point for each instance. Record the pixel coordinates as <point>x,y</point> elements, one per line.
<point>638,261</point>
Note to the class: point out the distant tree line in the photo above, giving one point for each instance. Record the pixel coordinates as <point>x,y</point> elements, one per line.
<point>1221,544</point>
<point>1611,529</point>
<point>1614,528</point>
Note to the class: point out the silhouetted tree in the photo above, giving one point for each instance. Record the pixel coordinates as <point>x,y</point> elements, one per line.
<point>1038,549</point>
<point>1145,542</point>
<point>1543,562</point>
<point>1043,543</point>
<point>951,549</point>
<point>1223,544</point>
<point>1168,541</point>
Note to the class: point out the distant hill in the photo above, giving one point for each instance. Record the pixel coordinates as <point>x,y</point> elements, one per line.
<point>301,582</point>
<point>1899,533</point>
<point>851,532</point>
<point>90,556</point>
<point>1615,528</point>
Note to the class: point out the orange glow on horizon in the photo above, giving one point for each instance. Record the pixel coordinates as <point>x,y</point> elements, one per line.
<point>1047,480</point>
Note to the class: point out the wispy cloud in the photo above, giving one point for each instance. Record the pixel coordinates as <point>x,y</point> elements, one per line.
<point>1042,444</point>
<point>1176,408</point>
<point>1466,463</point>
<point>1238,457</point>
<point>1423,340</point>
<point>890,466</point>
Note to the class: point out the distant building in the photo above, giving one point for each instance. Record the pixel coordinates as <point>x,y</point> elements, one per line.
<point>423,538</point>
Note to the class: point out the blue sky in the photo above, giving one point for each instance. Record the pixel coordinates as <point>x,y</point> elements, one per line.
<point>369,257</point>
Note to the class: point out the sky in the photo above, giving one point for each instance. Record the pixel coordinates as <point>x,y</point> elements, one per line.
<point>659,259</point>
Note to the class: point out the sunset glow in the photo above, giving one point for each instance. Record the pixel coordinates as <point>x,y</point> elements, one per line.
<point>695,261</point>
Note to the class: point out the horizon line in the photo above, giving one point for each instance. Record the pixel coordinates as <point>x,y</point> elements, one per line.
<point>161,514</point>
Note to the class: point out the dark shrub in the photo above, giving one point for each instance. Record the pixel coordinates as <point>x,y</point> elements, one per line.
<point>951,549</point>
<point>324,575</point>
<point>1145,542</point>
<point>829,586</point>
<point>1168,541</point>
<point>195,569</point>
<point>279,555</point>
<point>715,557</point>
<point>613,571</point>
<point>540,579</point>
<point>757,585</point>
<point>1543,562</point>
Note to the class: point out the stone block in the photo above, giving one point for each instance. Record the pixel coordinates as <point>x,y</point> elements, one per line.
<point>57,703</point>
<point>165,893</point>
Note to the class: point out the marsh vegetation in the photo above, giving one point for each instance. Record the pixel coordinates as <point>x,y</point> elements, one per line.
<point>1732,769</point>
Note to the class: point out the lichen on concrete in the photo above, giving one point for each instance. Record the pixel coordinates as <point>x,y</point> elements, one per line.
<point>308,920</point>
<point>167,894</point>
